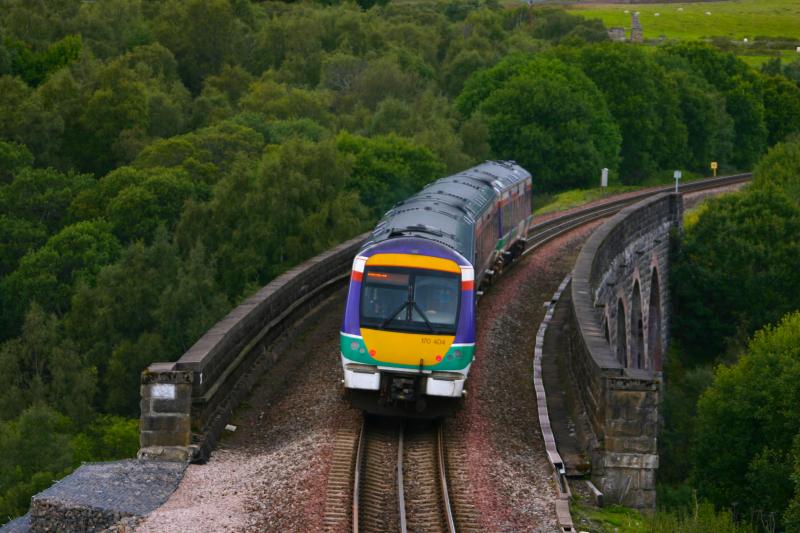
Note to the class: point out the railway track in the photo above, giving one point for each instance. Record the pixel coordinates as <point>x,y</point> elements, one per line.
<point>393,476</point>
<point>541,233</point>
<point>400,479</point>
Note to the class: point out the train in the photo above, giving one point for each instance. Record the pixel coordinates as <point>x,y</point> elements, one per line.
<point>407,339</point>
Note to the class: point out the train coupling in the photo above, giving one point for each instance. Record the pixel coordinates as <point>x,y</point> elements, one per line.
<point>403,388</point>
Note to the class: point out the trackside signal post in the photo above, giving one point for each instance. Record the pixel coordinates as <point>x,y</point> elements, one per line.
<point>677,175</point>
<point>714,168</point>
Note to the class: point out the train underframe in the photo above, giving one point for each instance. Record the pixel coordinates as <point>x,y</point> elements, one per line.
<point>408,394</point>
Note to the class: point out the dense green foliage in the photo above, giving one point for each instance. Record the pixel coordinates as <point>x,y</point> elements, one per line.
<point>159,161</point>
<point>546,115</point>
<point>741,254</point>
<point>736,273</point>
<point>644,102</point>
<point>747,420</point>
<point>781,168</point>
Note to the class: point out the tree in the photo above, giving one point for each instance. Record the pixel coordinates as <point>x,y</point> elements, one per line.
<point>743,92</point>
<point>5,59</point>
<point>42,366</point>
<point>205,154</point>
<point>781,168</point>
<point>36,450</point>
<point>720,68</point>
<point>17,238</point>
<point>119,307</point>
<point>34,67</point>
<point>709,128</point>
<point>125,366</point>
<point>191,304</point>
<point>43,196</point>
<point>22,118</point>
<point>735,270</point>
<point>387,169</point>
<point>792,71</point>
<point>256,223</point>
<point>13,157</point>
<point>112,27</point>
<point>49,274</point>
<point>744,103</point>
<point>642,98</point>
<point>781,108</point>
<point>201,34</point>
<point>558,25</point>
<point>136,211</point>
<point>791,518</point>
<point>118,105</point>
<point>275,100</point>
<point>547,116</point>
<point>382,78</point>
<point>747,420</point>
<point>220,96</point>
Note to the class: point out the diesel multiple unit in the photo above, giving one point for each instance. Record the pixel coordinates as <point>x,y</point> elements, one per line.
<point>408,335</point>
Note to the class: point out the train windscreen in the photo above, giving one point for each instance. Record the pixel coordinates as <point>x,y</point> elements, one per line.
<point>410,299</point>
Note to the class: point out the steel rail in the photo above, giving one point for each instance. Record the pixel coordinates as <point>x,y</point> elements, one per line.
<point>448,511</point>
<point>357,474</point>
<point>401,496</point>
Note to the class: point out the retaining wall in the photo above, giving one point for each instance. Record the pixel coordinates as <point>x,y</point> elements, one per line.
<point>613,356</point>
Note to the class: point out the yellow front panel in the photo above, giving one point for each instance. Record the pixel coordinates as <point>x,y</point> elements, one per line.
<point>414,261</point>
<point>406,348</point>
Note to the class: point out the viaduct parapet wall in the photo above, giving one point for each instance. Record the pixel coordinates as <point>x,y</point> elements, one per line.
<point>617,334</point>
<point>185,404</point>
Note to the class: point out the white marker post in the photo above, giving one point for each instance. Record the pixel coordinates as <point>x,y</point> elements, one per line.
<point>677,175</point>
<point>604,178</point>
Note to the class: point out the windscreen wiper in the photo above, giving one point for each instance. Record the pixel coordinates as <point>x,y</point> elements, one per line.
<point>394,315</point>
<point>425,318</point>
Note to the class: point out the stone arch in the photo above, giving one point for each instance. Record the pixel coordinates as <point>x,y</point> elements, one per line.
<point>654,346</point>
<point>621,340</point>
<point>637,328</point>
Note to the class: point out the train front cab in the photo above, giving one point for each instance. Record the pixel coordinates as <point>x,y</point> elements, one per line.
<point>408,336</point>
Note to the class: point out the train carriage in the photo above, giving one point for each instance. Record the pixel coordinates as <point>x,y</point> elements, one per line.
<point>408,336</point>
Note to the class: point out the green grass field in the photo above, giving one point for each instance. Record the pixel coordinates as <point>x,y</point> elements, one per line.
<point>737,19</point>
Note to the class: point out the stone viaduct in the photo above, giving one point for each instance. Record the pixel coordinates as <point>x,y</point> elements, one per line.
<point>611,343</point>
